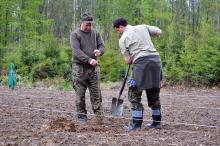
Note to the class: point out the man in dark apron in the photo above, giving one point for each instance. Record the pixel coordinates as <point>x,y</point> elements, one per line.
<point>137,49</point>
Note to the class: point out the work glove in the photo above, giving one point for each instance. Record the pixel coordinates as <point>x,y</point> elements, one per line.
<point>131,83</point>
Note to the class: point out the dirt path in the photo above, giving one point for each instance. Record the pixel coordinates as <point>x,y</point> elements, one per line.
<point>39,117</point>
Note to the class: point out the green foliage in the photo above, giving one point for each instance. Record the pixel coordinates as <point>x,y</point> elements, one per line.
<point>172,72</point>
<point>51,46</point>
<point>66,71</point>
<point>34,35</point>
<point>187,59</point>
<point>31,56</point>
<point>199,59</point>
<point>112,68</point>
<point>2,52</point>
<point>11,57</point>
<point>64,63</point>
<point>44,70</point>
<point>207,56</point>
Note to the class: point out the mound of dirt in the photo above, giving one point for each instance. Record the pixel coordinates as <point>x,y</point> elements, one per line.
<point>62,124</point>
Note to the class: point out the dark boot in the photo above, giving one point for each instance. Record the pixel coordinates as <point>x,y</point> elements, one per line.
<point>156,116</point>
<point>82,118</point>
<point>137,119</point>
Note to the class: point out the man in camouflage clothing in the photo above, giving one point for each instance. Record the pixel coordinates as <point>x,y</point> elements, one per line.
<point>87,45</point>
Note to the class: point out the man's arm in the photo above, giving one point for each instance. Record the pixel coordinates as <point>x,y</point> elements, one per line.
<point>100,44</point>
<point>124,51</point>
<point>154,31</point>
<point>77,52</point>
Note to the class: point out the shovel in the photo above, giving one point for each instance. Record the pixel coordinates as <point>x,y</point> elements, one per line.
<point>117,103</point>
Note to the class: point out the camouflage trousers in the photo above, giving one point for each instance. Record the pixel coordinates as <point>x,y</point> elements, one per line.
<point>87,77</point>
<point>153,98</point>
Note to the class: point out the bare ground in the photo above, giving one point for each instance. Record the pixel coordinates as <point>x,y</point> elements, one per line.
<point>44,117</point>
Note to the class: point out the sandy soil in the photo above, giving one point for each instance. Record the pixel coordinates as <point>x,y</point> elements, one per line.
<point>46,117</point>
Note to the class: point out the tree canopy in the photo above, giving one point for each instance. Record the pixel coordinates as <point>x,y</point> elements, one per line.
<point>35,36</point>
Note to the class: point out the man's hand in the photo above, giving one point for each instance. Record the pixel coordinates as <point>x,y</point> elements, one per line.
<point>93,62</point>
<point>97,52</point>
<point>158,34</point>
<point>128,59</point>
<point>154,31</point>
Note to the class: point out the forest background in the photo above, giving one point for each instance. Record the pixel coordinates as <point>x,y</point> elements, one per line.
<point>34,35</point>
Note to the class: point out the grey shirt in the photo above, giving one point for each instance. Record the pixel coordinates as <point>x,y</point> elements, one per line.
<point>83,44</point>
<point>136,41</point>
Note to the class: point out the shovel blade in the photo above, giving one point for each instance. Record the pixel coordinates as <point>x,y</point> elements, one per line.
<point>117,107</point>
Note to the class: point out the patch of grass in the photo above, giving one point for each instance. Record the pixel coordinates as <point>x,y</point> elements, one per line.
<point>109,85</point>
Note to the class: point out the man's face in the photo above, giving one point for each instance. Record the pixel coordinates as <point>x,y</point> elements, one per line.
<point>86,26</point>
<point>120,29</point>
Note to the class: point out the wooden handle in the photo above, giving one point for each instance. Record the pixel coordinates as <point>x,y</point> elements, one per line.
<point>123,85</point>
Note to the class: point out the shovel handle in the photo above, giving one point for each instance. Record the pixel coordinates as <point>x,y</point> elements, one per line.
<point>123,85</point>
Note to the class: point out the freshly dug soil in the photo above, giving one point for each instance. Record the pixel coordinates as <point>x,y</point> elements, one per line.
<point>45,117</point>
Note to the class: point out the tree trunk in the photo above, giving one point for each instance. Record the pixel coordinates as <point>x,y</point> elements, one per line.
<point>6,26</point>
<point>193,16</point>
<point>217,15</point>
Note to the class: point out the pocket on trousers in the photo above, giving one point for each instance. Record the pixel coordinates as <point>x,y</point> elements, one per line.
<point>77,71</point>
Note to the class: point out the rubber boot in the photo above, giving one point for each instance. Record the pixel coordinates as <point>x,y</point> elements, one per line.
<point>156,116</point>
<point>137,119</point>
<point>82,118</point>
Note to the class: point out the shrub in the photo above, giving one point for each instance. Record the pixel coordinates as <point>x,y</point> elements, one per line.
<point>46,69</point>
<point>51,46</point>
<point>31,56</point>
